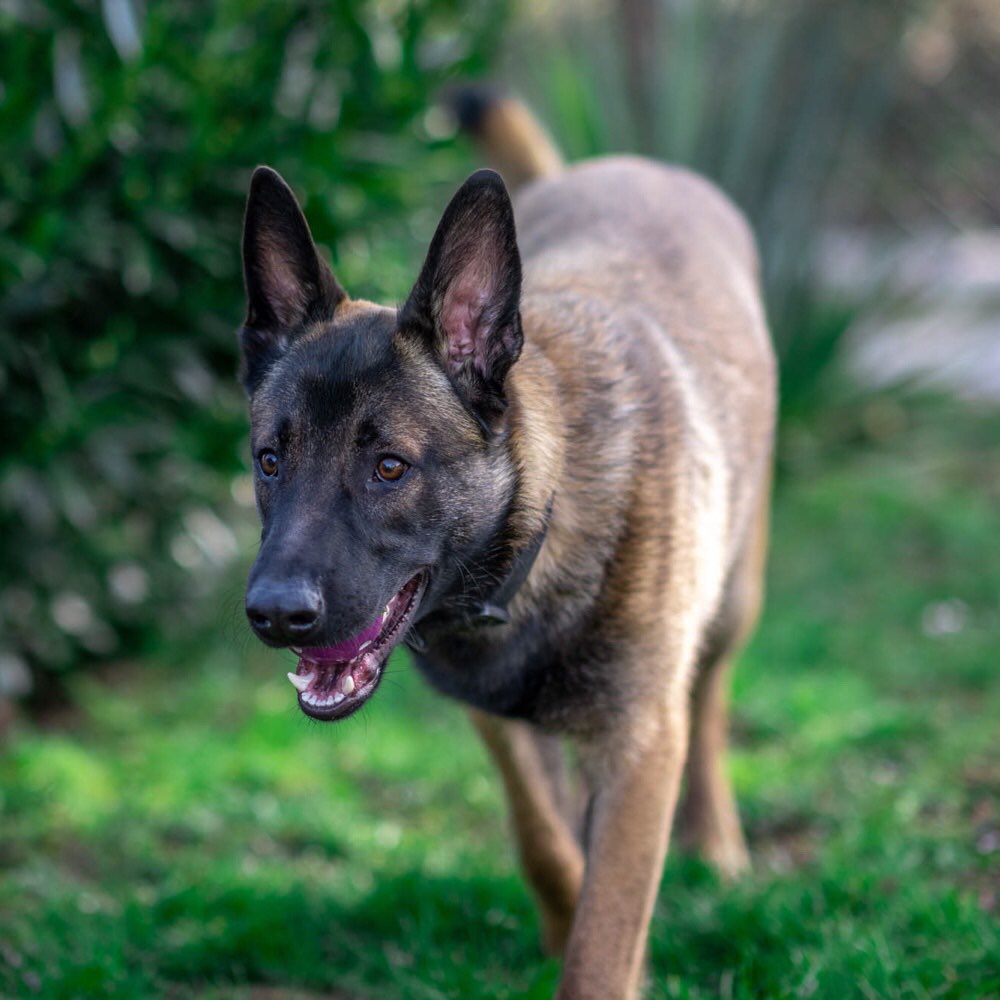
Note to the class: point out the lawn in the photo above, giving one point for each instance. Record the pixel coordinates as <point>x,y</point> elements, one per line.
<point>187,833</point>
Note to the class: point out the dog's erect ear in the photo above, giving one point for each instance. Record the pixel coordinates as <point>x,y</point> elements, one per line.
<point>287,282</point>
<point>466,300</point>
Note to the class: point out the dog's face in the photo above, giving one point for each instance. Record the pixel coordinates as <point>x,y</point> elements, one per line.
<point>377,434</point>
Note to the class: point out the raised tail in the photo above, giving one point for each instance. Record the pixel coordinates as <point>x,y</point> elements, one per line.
<point>510,135</point>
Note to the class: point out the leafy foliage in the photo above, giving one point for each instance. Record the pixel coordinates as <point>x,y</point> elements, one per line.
<point>125,149</point>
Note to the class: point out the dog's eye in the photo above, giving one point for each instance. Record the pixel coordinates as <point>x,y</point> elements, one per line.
<point>390,469</point>
<point>268,462</point>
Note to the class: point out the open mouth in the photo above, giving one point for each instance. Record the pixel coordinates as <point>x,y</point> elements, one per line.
<point>335,681</point>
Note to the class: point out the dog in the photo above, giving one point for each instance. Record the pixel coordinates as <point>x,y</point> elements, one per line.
<point>547,473</point>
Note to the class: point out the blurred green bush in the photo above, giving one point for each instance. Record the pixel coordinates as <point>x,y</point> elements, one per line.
<point>126,144</point>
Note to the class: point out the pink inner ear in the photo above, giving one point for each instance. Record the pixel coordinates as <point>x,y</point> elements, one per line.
<point>463,321</point>
<point>282,287</point>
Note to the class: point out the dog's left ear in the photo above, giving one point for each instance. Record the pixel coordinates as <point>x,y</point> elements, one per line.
<point>466,300</point>
<point>288,284</point>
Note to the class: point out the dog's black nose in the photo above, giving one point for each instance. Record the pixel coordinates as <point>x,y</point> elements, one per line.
<point>284,612</point>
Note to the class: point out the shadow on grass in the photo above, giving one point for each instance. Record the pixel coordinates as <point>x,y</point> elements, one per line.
<point>411,935</point>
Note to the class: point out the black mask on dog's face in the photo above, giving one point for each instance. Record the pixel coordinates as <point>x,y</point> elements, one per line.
<point>377,435</point>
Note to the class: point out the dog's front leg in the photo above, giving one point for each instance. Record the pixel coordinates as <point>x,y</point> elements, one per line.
<point>549,853</point>
<point>635,775</point>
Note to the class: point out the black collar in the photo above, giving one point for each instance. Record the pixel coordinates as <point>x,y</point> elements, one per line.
<point>457,614</point>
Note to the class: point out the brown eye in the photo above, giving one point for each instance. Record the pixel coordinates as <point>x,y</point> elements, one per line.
<point>390,469</point>
<point>268,463</point>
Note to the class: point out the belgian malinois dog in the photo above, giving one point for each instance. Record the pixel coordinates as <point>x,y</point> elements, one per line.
<point>548,474</point>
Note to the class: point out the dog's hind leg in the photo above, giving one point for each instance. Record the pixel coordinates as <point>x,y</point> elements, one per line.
<point>530,764</point>
<point>708,820</point>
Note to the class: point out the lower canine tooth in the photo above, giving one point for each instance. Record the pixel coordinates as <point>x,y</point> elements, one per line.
<point>348,685</point>
<point>300,683</point>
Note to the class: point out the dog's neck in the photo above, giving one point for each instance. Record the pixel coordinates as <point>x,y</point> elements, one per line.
<point>466,611</point>
<point>535,443</point>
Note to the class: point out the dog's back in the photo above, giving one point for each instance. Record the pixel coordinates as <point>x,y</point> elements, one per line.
<point>642,308</point>
<point>674,265</point>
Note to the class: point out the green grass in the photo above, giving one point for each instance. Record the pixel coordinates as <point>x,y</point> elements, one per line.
<point>190,834</point>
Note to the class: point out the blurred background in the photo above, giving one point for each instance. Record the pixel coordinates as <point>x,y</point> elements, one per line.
<point>168,824</point>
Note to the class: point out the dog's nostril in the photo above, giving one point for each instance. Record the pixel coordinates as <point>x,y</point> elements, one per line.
<point>258,620</point>
<point>301,621</point>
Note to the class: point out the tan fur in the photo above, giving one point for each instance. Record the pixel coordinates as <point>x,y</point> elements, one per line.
<point>709,821</point>
<point>550,856</point>
<point>642,281</point>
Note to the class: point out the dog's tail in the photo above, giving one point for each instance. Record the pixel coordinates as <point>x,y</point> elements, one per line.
<point>510,135</point>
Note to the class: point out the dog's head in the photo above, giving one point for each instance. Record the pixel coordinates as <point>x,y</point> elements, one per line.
<point>377,434</point>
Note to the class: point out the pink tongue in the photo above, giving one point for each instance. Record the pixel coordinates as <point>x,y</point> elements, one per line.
<point>347,649</point>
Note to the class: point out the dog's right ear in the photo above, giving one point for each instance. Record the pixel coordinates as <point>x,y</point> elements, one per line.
<point>288,285</point>
<point>466,301</point>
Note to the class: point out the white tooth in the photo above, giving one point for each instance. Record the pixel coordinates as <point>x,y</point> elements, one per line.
<point>297,650</point>
<point>300,683</point>
<point>387,612</point>
<point>348,685</point>
<point>338,698</point>
<point>365,645</point>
